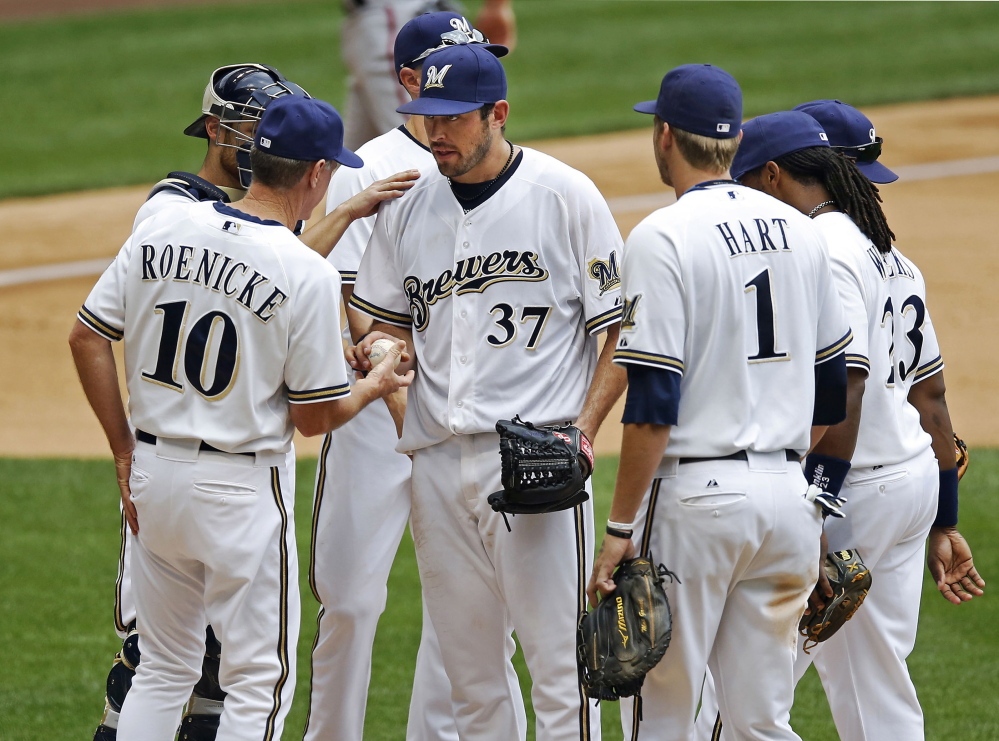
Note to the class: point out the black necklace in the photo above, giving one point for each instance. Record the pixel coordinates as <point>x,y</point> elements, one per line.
<point>486,186</point>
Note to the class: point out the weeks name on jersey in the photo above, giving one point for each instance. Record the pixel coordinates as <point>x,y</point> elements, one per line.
<point>472,275</point>
<point>759,237</point>
<point>215,271</point>
<point>890,266</point>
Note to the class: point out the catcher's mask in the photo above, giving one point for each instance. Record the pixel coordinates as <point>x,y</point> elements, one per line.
<point>236,94</point>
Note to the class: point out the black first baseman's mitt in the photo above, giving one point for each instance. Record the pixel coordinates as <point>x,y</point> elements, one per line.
<point>544,468</point>
<point>850,580</point>
<point>623,637</point>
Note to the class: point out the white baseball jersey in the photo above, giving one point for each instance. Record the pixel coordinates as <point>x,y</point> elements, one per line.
<point>513,291</point>
<point>732,290</point>
<point>884,298</point>
<point>229,318</point>
<point>383,156</point>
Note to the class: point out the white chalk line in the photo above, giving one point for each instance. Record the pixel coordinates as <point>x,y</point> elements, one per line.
<point>620,205</point>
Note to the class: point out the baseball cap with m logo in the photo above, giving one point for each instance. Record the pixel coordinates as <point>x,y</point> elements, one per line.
<point>458,79</point>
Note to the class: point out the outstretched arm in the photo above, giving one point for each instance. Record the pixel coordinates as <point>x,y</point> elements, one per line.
<point>949,556</point>
<point>324,235</point>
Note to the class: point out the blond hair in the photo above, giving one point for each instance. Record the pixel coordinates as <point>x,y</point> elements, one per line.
<point>705,152</point>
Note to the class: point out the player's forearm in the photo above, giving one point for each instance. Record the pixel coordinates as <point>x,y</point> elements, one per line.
<point>609,382</point>
<point>358,323</point>
<point>930,400</point>
<point>325,233</point>
<point>840,440</point>
<point>642,448</point>
<point>98,373</point>
<point>326,416</point>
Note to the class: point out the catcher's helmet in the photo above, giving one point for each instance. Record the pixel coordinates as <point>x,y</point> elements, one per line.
<point>235,94</point>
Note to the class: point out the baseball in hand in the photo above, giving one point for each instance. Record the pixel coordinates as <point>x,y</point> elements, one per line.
<point>379,349</point>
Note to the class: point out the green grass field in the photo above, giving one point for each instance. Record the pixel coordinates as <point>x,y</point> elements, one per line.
<point>58,555</point>
<point>101,99</point>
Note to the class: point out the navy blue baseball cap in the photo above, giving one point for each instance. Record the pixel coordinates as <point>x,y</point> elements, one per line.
<point>429,32</point>
<point>699,98</point>
<point>852,133</point>
<point>458,79</point>
<point>308,129</point>
<point>766,138</point>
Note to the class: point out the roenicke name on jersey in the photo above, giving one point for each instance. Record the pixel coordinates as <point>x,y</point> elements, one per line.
<point>215,271</point>
<point>472,275</point>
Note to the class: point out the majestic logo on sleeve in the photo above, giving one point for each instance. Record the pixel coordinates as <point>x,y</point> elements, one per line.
<point>629,311</point>
<point>605,273</point>
<point>435,78</point>
<point>473,275</point>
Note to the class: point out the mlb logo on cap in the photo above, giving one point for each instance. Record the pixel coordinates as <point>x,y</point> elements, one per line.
<point>306,129</point>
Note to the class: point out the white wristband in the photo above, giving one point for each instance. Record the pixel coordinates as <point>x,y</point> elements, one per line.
<point>628,527</point>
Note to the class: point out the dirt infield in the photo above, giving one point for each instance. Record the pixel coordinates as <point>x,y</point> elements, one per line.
<point>943,224</point>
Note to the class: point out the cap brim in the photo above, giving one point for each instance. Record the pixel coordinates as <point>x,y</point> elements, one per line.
<point>498,50</point>
<point>876,172</point>
<point>648,106</point>
<point>438,107</point>
<point>348,159</point>
<point>198,127</point>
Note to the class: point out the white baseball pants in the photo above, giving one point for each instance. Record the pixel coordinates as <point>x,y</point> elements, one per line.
<point>745,545</point>
<point>216,544</point>
<point>359,515</point>
<point>862,667</point>
<point>481,583</point>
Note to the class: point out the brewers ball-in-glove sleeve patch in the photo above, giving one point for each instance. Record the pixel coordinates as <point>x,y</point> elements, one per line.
<point>544,468</point>
<point>626,635</point>
<point>961,453</point>
<point>850,580</point>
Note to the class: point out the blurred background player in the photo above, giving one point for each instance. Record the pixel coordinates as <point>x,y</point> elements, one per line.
<point>234,100</point>
<point>892,486</point>
<point>355,538</point>
<point>367,39</point>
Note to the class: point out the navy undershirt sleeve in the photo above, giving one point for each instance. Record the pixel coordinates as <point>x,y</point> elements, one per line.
<point>653,396</point>
<point>830,391</point>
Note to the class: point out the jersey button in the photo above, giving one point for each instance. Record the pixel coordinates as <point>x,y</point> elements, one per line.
<point>460,404</point>
<point>464,314</point>
<point>465,245</point>
<point>468,223</point>
<point>463,359</point>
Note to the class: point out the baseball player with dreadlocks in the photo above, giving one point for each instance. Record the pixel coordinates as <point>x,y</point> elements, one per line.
<point>733,336</point>
<point>355,538</point>
<point>893,483</point>
<point>368,35</point>
<point>234,100</point>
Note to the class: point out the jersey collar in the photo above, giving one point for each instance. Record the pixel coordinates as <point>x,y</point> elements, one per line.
<point>711,183</point>
<point>412,138</point>
<point>227,210</point>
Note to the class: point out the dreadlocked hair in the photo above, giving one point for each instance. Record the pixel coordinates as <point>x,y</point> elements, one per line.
<point>853,193</point>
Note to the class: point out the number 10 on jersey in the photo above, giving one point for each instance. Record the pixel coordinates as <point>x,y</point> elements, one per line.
<point>213,337</point>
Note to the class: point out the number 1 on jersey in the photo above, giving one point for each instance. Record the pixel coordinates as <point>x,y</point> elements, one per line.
<point>766,320</point>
